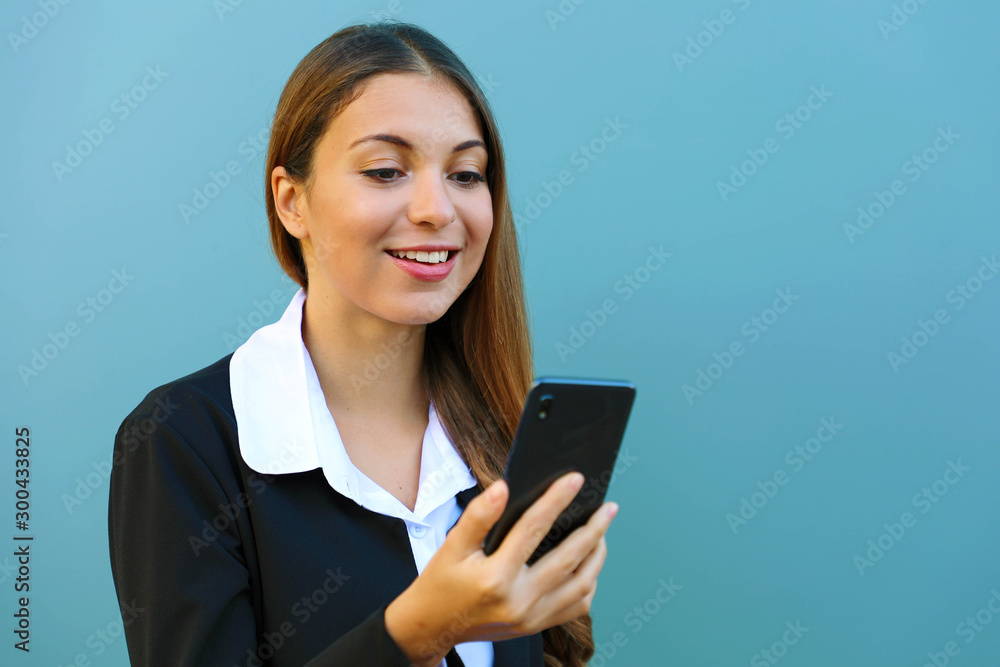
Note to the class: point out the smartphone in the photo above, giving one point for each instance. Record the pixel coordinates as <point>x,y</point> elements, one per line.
<point>567,424</point>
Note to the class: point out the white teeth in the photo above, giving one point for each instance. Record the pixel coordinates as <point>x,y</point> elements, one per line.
<point>423,256</point>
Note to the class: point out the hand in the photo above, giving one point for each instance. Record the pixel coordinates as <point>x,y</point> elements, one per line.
<point>464,595</point>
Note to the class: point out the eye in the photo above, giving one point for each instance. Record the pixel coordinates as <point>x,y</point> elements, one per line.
<point>378,175</point>
<point>476,179</point>
<point>466,179</point>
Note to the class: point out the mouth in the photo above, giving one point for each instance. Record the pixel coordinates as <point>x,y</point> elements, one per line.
<point>426,264</point>
<point>424,256</point>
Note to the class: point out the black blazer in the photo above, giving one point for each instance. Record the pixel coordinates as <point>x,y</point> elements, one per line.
<point>218,565</point>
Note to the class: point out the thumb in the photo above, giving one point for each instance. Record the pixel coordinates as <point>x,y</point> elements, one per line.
<point>478,518</point>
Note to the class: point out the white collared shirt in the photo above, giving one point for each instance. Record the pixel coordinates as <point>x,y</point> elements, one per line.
<point>284,426</point>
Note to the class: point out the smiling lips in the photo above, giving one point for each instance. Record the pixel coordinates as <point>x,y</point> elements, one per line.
<point>428,263</point>
<point>423,256</point>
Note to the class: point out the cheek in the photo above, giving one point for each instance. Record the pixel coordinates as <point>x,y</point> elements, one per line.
<point>481,222</point>
<point>479,237</point>
<point>327,245</point>
<point>350,231</point>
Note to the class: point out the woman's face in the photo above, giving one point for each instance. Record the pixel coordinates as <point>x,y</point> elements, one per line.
<point>402,168</point>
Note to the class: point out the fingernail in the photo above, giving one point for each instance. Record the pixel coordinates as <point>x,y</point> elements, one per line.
<point>574,481</point>
<point>612,510</point>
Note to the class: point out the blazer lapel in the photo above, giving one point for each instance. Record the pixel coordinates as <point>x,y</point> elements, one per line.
<point>468,494</point>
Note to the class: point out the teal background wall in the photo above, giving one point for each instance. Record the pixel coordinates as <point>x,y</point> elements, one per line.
<point>812,467</point>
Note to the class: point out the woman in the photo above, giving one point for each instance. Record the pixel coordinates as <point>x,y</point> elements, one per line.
<point>314,497</point>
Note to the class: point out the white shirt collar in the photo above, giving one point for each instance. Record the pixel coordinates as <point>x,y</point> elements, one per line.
<point>284,424</point>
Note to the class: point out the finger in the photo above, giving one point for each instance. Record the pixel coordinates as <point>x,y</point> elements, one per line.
<point>574,597</point>
<point>562,561</point>
<point>592,564</point>
<point>536,522</point>
<point>478,518</point>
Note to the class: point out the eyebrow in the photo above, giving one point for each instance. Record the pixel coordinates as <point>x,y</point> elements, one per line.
<point>403,143</point>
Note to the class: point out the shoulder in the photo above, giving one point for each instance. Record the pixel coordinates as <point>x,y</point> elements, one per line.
<point>195,409</point>
<point>174,400</point>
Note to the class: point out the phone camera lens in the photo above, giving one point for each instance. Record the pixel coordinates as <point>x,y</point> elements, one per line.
<point>544,404</point>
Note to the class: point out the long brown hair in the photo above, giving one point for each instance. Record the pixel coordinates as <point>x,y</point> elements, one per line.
<point>478,354</point>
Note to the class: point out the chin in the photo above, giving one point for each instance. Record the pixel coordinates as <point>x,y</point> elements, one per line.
<point>434,306</point>
<point>430,315</point>
<point>417,315</point>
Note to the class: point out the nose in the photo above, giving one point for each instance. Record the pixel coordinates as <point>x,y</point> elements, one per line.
<point>430,201</point>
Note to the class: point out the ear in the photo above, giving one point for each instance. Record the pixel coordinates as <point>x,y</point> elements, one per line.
<point>289,198</point>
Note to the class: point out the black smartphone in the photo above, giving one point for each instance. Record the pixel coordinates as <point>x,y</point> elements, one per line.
<point>566,424</point>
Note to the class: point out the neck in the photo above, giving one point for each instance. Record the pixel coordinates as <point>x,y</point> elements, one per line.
<point>365,363</point>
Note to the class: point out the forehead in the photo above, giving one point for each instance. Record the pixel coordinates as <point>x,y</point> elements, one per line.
<point>430,112</point>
